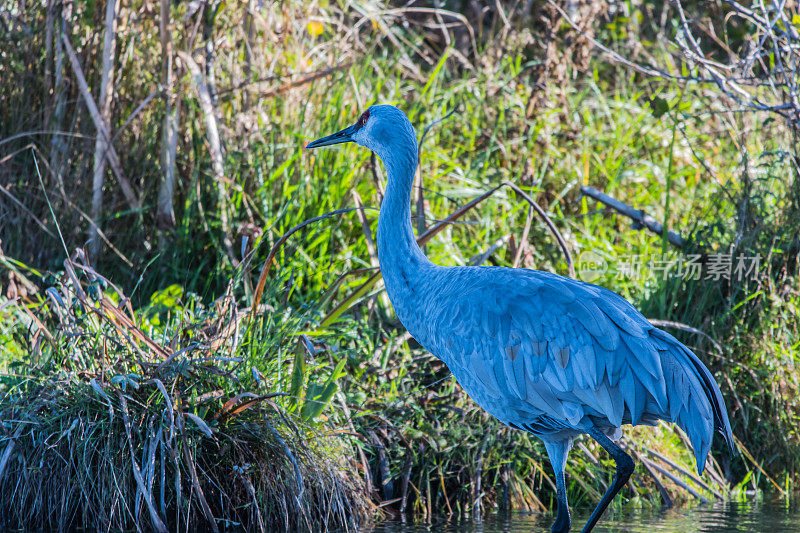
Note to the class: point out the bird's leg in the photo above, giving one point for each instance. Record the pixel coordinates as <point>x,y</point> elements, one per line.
<point>624,470</point>
<point>557,451</point>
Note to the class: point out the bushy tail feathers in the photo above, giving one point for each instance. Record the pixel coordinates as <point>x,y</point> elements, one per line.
<point>695,401</point>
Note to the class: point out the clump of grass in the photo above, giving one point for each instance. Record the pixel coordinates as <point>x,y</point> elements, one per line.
<point>113,428</point>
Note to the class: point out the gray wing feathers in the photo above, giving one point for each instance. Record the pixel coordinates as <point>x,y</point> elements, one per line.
<point>696,403</point>
<point>570,350</point>
<point>596,323</point>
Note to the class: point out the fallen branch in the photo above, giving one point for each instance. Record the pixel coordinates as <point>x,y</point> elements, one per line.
<point>550,225</point>
<point>101,126</point>
<point>639,217</point>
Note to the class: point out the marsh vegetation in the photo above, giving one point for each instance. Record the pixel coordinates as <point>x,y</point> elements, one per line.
<point>168,360</point>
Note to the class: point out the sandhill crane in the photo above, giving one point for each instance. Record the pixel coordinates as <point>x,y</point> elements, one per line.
<point>542,353</point>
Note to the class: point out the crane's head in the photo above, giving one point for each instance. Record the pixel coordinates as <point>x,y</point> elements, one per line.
<point>384,129</point>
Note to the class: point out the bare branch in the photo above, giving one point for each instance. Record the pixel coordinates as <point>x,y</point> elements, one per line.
<point>639,217</point>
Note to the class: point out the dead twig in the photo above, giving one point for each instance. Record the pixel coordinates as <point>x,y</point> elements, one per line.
<point>418,177</point>
<point>26,210</point>
<point>689,329</point>
<point>639,217</point>
<point>549,223</point>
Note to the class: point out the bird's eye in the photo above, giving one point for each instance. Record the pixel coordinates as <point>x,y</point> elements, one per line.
<point>363,118</point>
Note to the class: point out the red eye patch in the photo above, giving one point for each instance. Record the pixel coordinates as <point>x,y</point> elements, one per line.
<point>363,118</point>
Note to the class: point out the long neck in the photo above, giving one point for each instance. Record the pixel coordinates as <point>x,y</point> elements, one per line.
<point>402,261</point>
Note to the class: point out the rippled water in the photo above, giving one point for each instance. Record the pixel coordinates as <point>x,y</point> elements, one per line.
<point>767,517</point>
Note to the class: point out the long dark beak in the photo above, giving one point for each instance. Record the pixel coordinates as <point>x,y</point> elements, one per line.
<point>346,135</point>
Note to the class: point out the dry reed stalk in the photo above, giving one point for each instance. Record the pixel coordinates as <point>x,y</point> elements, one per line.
<point>48,54</point>
<point>165,214</point>
<point>102,142</point>
<point>204,98</point>
<point>477,494</point>
<point>666,497</point>
<point>58,146</point>
<point>102,126</point>
<point>25,209</point>
<point>675,479</point>
<point>249,41</point>
<point>696,480</point>
<point>523,240</point>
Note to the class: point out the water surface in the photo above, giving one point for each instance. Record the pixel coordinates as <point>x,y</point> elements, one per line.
<point>767,517</point>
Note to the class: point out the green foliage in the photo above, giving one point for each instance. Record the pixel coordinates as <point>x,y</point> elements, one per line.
<point>324,339</point>
<point>318,395</point>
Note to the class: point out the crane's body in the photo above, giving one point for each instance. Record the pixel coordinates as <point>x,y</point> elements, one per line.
<point>542,353</point>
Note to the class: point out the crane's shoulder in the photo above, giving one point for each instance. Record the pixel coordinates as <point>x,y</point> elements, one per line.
<point>517,291</point>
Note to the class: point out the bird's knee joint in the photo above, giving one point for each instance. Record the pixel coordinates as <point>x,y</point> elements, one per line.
<point>625,465</point>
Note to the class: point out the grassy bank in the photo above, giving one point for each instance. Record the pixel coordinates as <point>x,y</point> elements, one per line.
<point>121,418</point>
<point>314,408</point>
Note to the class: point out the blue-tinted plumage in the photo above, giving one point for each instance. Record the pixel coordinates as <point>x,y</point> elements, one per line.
<point>540,352</point>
